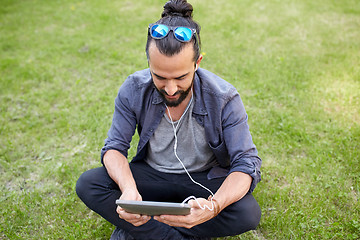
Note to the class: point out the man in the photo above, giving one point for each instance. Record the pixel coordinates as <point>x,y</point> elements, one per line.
<point>189,121</point>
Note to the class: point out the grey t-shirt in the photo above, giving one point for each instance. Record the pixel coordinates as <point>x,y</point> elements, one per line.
<point>192,148</point>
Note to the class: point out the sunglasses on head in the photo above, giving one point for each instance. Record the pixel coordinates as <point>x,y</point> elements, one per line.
<point>182,34</point>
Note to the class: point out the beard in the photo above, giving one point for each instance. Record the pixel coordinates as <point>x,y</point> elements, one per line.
<point>183,94</point>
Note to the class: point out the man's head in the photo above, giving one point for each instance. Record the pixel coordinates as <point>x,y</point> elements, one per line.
<point>177,13</point>
<point>173,76</point>
<point>172,61</point>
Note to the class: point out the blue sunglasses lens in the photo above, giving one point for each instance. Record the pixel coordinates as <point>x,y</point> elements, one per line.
<point>183,34</point>
<point>159,31</point>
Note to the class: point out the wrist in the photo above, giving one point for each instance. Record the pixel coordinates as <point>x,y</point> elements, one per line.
<point>215,205</point>
<point>131,194</point>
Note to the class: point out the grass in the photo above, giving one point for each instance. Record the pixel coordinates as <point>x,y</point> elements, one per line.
<point>295,64</point>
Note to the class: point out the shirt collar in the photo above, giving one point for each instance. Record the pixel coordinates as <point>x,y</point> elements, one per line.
<point>199,105</point>
<point>157,98</point>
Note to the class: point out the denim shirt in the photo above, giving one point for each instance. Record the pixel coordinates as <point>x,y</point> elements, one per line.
<point>217,107</point>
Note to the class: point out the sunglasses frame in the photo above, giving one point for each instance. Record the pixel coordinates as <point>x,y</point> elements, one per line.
<point>173,29</point>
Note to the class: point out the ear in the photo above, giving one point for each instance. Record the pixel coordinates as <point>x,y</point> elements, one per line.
<point>198,62</point>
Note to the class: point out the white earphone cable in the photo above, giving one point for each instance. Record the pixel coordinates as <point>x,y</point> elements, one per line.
<point>182,164</point>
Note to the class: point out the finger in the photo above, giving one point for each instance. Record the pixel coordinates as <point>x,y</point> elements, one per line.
<point>141,221</point>
<point>173,220</point>
<point>135,219</point>
<point>175,224</point>
<point>119,209</point>
<point>192,203</point>
<point>170,223</point>
<point>128,216</point>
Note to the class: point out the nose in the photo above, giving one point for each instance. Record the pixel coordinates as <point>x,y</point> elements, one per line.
<point>171,87</point>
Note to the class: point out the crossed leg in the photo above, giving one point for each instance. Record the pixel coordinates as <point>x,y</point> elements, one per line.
<point>99,192</point>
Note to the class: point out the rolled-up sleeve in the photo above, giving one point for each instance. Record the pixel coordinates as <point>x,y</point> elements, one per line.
<point>242,151</point>
<point>123,123</point>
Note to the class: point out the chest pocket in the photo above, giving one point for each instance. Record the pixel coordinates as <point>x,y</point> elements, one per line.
<point>222,156</point>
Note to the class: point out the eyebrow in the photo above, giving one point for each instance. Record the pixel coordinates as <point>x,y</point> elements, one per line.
<point>160,77</point>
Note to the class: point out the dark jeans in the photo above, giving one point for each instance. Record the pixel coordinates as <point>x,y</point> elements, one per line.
<point>99,192</point>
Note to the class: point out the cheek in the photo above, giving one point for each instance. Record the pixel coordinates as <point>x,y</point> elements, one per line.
<point>185,84</point>
<point>158,84</point>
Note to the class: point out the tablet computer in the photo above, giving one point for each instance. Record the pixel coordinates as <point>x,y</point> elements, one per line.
<point>154,208</point>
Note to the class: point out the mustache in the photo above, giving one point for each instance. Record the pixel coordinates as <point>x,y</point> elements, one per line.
<point>176,93</point>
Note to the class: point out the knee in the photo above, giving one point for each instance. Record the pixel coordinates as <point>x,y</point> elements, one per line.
<point>83,185</point>
<point>253,217</point>
<point>251,212</point>
<point>89,182</point>
<point>94,183</point>
<point>246,214</point>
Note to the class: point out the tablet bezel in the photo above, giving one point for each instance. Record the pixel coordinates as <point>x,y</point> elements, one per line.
<point>152,208</point>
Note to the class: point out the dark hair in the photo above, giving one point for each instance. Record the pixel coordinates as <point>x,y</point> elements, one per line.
<point>176,13</point>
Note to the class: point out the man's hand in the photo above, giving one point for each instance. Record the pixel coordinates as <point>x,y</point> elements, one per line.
<point>134,219</point>
<point>117,166</point>
<point>197,215</point>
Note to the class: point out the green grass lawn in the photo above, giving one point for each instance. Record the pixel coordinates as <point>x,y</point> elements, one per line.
<point>296,65</point>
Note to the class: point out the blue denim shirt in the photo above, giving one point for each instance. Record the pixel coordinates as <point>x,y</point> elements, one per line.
<point>217,107</point>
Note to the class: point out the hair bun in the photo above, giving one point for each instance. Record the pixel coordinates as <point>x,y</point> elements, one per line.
<point>179,8</point>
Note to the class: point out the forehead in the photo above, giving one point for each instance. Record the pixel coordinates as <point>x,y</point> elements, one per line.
<point>170,66</point>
